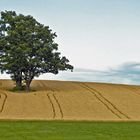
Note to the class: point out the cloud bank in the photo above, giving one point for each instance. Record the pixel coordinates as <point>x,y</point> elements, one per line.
<point>127,73</point>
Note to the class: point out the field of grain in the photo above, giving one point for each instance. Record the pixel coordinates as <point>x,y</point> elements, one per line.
<point>63,100</point>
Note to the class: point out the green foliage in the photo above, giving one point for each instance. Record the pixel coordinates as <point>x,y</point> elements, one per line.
<point>54,130</point>
<point>18,89</point>
<point>27,48</point>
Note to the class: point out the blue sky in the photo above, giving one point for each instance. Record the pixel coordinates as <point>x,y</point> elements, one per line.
<point>94,34</point>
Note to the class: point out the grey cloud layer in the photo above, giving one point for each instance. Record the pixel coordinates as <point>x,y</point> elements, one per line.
<point>128,73</point>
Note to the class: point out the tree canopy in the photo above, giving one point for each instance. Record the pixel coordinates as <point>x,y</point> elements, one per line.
<point>28,49</point>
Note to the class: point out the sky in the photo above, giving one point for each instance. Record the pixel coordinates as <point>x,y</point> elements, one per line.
<point>101,38</point>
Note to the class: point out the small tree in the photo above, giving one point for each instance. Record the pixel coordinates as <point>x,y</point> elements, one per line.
<point>27,49</point>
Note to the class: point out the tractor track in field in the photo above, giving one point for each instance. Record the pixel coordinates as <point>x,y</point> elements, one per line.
<point>50,96</point>
<point>53,108</point>
<point>3,104</point>
<point>60,109</point>
<point>113,104</point>
<point>42,84</point>
<point>100,100</point>
<point>58,103</point>
<point>111,107</point>
<point>131,89</point>
<point>127,88</point>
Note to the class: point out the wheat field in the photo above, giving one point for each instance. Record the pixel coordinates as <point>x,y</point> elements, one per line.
<point>63,100</point>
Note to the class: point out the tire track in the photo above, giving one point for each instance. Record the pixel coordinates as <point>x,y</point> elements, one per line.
<point>55,105</point>
<point>85,86</point>
<point>60,109</point>
<point>53,108</point>
<point>112,104</point>
<point>58,104</point>
<point>102,99</point>
<point>132,90</point>
<point>3,104</point>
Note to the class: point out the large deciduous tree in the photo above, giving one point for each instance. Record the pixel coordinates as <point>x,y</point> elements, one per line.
<point>28,49</point>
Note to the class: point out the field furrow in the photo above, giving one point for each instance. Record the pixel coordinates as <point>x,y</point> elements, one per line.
<point>53,108</point>
<point>124,99</point>
<point>3,98</point>
<point>60,109</point>
<point>57,111</point>
<point>107,103</point>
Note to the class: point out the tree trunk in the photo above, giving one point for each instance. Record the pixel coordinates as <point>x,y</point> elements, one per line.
<point>29,75</point>
<point>18,79</point>
<point>19,84</point>
<point>28,82</point>
<point>27,87</point>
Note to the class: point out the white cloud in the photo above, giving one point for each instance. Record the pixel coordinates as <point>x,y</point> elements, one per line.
<point>127,73</point>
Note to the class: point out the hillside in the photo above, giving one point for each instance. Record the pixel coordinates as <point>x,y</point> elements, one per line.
<point>61,100</point>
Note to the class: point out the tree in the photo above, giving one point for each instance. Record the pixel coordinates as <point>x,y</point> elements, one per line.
<point>28,49</point>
